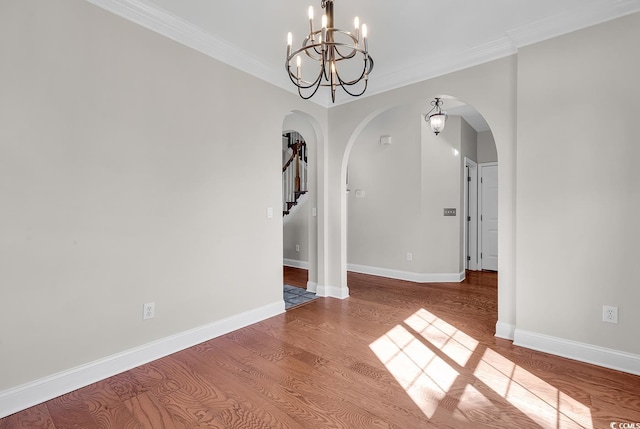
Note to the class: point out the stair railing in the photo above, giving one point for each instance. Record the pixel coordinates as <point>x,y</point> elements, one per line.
<point>294,176</point>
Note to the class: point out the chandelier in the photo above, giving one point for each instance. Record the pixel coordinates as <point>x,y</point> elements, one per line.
<point>329,47</point>
<point>436,120</point>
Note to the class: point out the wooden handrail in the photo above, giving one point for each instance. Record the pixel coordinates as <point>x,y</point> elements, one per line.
<point>296,148</point>
<point>294,176</point>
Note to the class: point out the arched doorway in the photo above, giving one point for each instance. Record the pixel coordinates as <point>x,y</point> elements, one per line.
<point>300,228</point>
<point>400,179</point>
<point>499,112</point>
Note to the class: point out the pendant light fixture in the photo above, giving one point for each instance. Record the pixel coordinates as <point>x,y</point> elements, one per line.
<point>438,119</point>
<point>329,49</point>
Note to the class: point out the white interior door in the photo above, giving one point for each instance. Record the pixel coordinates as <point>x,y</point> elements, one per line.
<point>489,216</point>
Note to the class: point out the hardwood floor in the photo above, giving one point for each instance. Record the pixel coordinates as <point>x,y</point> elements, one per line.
<point>394,355</point>
<point>295,276</point>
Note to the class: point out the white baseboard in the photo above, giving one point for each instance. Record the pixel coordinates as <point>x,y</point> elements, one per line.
<point>601,356</point>
<point>332,291</point>
<point>408,276</point>
<point>312,287</point>
<point>44,389</point>
<point>295,263</point>
<point>505,330</point>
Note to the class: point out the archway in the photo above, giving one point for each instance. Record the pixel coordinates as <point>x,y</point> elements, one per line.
<point>507,201</point>
<point>400,177</point>
<point>310,130</point>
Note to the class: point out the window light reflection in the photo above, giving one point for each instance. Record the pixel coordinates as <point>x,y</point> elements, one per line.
<point>533,396</point>
<point>422,374</point>
<point>425,354</point>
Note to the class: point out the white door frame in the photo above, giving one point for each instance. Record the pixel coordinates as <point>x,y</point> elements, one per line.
<point>471,215</point>
<point>480,166</point>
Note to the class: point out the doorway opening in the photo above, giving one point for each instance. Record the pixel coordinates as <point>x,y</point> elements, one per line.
<point>488,211</point>
<point>301,135</point>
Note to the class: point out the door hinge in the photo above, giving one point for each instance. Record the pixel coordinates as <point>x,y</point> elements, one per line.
<point>468,258</point>
<point>468,178</point>
<point>481,180</point>
<point>480,218</point>
<point>468,218</point>
<point>480,255</point>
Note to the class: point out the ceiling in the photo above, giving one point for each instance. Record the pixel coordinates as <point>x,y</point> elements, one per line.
<point>410,40</point>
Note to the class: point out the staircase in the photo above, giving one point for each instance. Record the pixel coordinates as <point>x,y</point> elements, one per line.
<point>294,172</point>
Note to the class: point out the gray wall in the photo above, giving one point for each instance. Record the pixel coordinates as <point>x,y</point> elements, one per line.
<point>487,151</point>
<point>296,232</point>
<point>120,185</point>
<point>406,186</point>
<point>441,178</point>
<point>578,193</point>
<point>382,226</point>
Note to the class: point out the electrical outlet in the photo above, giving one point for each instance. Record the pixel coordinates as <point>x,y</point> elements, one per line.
<point>609,314</point>
<point>409,256</point>
<point>297,247</point>
<point>148,310</point>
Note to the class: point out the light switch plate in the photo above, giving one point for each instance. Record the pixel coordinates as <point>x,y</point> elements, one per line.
<point>450,212</point>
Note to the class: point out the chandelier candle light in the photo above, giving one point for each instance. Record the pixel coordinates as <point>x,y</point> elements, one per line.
<point>329,46</point>
<point>438,119</point>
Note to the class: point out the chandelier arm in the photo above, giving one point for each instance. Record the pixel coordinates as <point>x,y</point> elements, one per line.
<point>312,94</point>
<point>327,61</point>
<point>329,46</point>
<point>348,56</point>
<point>353,46</point>
<point>314,44</point>
<point>365,72</point>
<point>346,84</point>
<point>356,50</point>
<point>307,50</point>
<point>315,85</point>
<point>352,82</point>
<point>353,94</point>
<point>305,84</point>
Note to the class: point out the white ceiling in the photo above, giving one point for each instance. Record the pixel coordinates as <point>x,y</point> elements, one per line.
<point>410,40</point>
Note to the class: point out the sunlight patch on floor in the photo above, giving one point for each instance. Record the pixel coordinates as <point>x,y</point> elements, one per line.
<point>453,342</point>
<point>426,355</point>
<point>422,373</point>
<point>530,394</point>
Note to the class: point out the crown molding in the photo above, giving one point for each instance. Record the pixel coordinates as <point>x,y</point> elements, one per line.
<point>444,64</point>
<point>588,14</point>
<point>181,31</point>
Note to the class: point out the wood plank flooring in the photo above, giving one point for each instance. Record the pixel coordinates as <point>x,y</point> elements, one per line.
<point>394,355</point>
<point>295,276</point>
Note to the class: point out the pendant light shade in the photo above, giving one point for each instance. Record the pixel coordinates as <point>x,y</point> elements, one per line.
<point>438,119</point>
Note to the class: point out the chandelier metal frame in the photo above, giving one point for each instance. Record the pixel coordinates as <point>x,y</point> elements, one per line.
<point>329,46</point>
